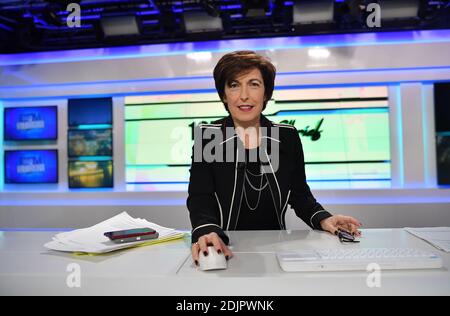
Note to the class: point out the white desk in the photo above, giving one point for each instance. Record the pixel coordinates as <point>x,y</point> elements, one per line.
<point>26,267</point>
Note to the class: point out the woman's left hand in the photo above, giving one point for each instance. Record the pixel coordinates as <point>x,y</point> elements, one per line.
<point>346,223</point>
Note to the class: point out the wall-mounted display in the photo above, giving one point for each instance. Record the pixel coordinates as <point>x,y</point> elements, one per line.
<point>31,166</point>
<point>91,174</point>
<point>90,112</point>
<point>442,120</point>
<point>30,123</point>
<point>344,132</point>
<point>92,142</point>
<point>443,159</point>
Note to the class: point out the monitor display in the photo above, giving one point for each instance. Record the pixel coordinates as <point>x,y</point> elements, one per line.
<point>31,123</point>
<point>91,174</point>
<point>31,166</point>
<point>344,131</point>
<point>94,142</point>
<point>443,159</point>
<point>441,106</point>
<point>90,111</point>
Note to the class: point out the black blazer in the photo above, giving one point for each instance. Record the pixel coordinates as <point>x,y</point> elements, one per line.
<point>215,188</point>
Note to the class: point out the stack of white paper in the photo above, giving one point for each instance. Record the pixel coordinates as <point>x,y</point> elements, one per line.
<point>439,237</point>
<point>92,240</point>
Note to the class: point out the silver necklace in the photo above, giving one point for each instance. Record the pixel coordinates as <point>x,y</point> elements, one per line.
<point>260,189</point>
<point>255,175</point>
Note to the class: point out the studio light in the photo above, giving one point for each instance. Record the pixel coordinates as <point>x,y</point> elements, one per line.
<point>51,10</point>
<point>313,11</point>
<point>256,8</point>
<point>120,25</point>
<point>50,13</point>
<point>210,8</point>
<point>201,22</point>
<point>399,9</point>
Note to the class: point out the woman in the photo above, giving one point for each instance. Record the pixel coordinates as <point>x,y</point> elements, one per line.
<point>250,193</point>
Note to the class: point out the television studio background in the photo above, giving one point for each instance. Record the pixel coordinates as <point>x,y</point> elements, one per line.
<point>98,110</point>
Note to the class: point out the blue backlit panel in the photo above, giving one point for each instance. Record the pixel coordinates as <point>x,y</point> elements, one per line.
<point>332,40</point>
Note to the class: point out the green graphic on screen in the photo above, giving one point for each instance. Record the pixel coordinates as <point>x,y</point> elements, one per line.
<point>344,132</point>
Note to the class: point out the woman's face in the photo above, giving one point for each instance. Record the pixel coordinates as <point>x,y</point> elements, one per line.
<point>245,97</point>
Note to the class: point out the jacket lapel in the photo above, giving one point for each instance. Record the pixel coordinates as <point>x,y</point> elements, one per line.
<point>273,151</point>
<point>271,143</point>
<point>234,148</point>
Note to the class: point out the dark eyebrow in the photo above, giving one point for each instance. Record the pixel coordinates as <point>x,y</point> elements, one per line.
<point>235,80</point>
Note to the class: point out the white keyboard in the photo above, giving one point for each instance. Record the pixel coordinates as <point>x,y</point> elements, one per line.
<point>357,259</point>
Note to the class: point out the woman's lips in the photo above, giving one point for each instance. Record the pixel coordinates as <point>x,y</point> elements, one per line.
<point>245,108</point>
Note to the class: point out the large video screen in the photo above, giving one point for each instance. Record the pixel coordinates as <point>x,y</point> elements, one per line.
<point>31,166</point>
<point>344,132</point>
<point>96,111</point>
<point>94,142</point>
<point>31,123</point>
<point>91,174</point>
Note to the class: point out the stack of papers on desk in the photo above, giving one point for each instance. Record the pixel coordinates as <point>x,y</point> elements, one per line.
<point>92,240</point>
<point>439,237</point>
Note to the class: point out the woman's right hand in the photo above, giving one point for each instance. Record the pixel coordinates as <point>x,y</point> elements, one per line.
<point>211,239</point>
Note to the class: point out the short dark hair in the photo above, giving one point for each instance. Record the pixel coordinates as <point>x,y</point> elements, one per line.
<point>233,64</point>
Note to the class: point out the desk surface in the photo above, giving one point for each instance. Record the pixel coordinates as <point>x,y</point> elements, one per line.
<point>26,267</point>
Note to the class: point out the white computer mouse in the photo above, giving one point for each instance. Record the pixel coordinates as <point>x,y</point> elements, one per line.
<point>213,261</point>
